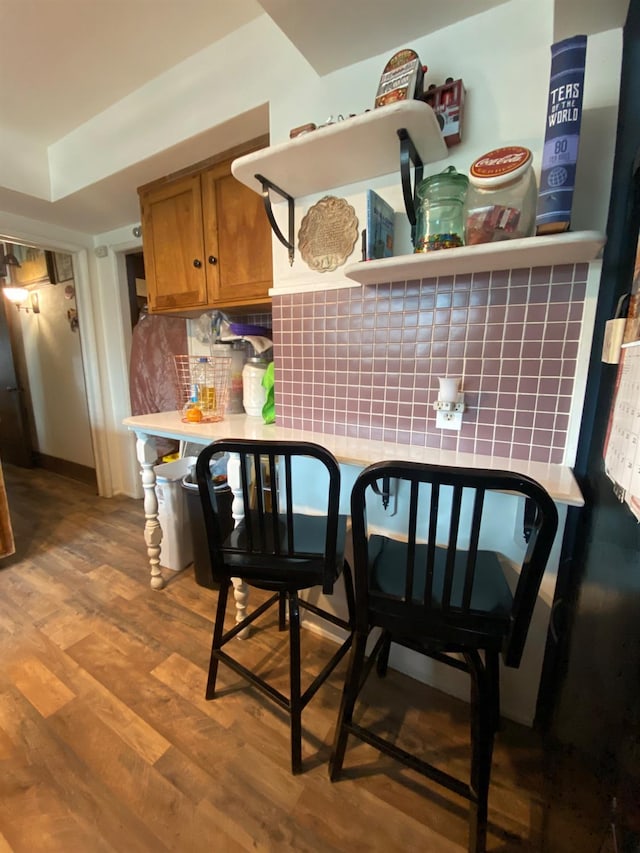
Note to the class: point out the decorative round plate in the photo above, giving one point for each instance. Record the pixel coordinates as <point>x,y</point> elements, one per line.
<point>328,233</point>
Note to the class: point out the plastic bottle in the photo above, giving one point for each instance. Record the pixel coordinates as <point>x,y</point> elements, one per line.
<point>206,391</point>
<point>253,394</point>
<point>192,410</point>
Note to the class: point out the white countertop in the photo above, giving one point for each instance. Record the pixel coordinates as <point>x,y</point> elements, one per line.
<point>558,480</point>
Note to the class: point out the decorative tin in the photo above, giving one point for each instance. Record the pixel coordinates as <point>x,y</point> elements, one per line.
<point>401,79</point>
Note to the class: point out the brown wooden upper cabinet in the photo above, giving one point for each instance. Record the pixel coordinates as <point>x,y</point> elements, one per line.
<point>206,243</point>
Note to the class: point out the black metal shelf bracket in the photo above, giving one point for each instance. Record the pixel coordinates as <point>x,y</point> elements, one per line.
<point>408,156</point>
<point>287,243</point>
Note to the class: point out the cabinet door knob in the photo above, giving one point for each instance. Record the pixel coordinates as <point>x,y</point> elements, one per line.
<point>197,264</point>
<point>212,259</point>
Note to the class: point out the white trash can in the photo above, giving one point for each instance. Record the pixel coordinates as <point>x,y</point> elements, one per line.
<point>176,548</point>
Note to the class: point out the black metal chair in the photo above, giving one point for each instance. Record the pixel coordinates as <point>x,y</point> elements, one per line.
<point>280,548</point>
<point>443,600</point>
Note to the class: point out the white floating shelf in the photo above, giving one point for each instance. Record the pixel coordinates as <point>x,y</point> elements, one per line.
<point>347,152</point>
<point>570,248</point>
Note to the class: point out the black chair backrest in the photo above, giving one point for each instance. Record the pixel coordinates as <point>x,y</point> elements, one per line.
<point>436,582</point>
<point>275,531</point>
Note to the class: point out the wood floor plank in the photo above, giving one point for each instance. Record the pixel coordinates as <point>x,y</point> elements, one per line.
<point>107,704</point>
<point>45,769</point>
<point>40,686</point>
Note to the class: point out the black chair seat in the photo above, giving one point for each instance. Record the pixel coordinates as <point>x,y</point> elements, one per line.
<point>256,554</point>
<point>490,594</point>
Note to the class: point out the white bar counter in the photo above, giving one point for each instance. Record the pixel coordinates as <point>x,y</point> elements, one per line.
<point>558,480</point>
<point>521,685</point>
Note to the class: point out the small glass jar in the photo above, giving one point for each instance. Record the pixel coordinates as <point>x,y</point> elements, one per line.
<point>502,197</point>
<point>440,211</point>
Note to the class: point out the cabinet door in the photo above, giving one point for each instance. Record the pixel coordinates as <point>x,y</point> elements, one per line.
<point>172,242</point>
<point>237,233</point>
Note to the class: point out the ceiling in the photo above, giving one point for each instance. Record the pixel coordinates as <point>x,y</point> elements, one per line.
<point>63,62</point>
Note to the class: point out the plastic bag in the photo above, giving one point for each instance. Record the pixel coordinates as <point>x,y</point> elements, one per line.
<point>268,383</point>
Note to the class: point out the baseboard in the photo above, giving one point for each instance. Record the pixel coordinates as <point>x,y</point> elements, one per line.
<point>64,468</point>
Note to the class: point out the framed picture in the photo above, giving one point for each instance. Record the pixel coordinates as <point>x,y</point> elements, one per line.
<point>59,266</point>
<point>33,265</point>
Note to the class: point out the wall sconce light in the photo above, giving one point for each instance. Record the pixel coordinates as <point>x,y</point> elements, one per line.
<point>33,304</point>
<point>15,294</point>
<point>450,404</point>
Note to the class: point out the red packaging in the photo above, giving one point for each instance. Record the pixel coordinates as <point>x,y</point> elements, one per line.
<point>447,102</point>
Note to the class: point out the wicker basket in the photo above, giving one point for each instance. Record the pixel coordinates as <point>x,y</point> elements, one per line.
<point>208,379</point>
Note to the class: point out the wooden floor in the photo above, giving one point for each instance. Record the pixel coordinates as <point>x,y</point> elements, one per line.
<point>107,743</point>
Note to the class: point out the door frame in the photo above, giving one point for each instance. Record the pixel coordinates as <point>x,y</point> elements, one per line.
<point>88,339</point>
<point>17,432</point>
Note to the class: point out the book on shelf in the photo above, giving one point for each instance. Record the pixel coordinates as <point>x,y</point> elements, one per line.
<point>380,226</point>
<point>562,135</point>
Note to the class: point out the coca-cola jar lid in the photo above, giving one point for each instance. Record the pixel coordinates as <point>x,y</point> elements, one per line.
<point>500,165</point>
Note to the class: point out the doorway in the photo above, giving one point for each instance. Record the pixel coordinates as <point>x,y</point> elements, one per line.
<point>15,438</point>
<point>40,342</point>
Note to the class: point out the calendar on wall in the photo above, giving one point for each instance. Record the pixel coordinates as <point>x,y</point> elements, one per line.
<point>622,443</point>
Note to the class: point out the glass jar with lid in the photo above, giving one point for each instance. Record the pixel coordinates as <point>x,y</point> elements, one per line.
<point>254,395</point>
<point>440,211</point>
<point>501,202</point>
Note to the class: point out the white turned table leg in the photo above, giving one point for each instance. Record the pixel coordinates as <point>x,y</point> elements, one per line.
<point>147,455</point>
<point>240,589</point>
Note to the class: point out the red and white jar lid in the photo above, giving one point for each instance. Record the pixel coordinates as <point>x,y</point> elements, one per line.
<point>500,166</point>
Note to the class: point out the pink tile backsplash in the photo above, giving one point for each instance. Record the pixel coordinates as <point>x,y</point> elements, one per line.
<point>365,362</point>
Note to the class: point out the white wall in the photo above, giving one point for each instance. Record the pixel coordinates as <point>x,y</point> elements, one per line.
<point>113,316</point>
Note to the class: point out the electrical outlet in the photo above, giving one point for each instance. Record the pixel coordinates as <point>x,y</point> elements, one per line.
<point>449,420</point>
<point>449,414</point>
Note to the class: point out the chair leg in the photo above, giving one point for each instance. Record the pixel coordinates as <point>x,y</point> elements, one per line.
<point>282,612</point>
<point>294,677</point>
<point>492,663</point>
<point>218,630</point>
<point>347,704</point>
<point>349,593</point>
<point>483,708</point>
<point>382,662</point>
